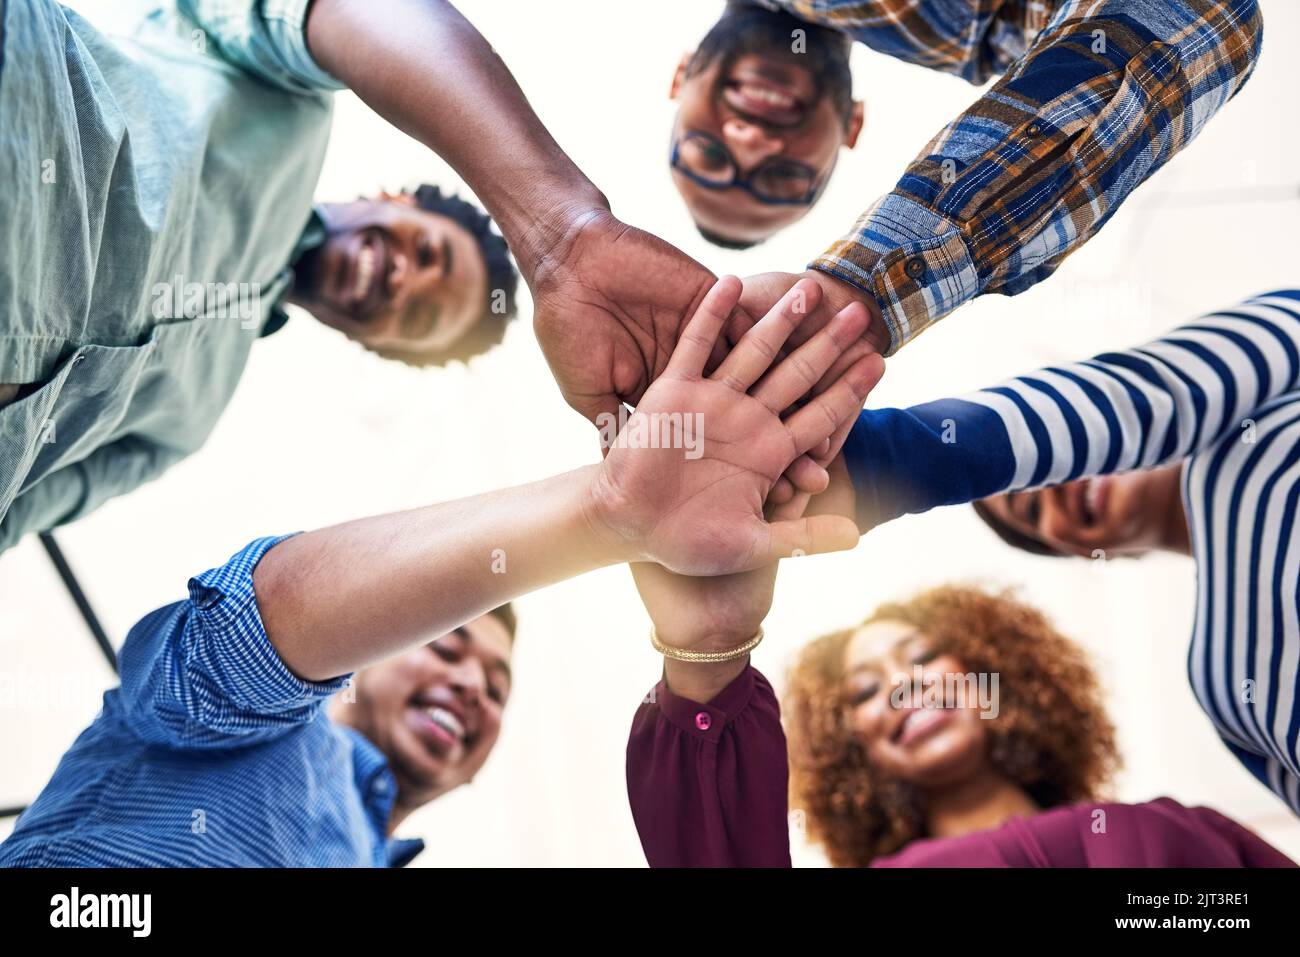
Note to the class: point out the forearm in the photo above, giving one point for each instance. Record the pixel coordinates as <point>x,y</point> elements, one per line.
<point>1140,408</point>
<point>707,782</point>
<point>337,599</point>
<point>425,69</point>
<point>1106,94</point>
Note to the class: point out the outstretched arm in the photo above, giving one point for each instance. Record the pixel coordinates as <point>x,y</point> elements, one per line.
<point>426,69</point>
<point>1120,411</point>
<point>337,599</point>
<point>609,301</point>
<point>1107,92</point>
<point>707,774</point>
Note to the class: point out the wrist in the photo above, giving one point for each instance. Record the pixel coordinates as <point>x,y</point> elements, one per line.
<point>599,508</point>
<point>839,293</point>
<point>699,682</point>
<point>542,226</point>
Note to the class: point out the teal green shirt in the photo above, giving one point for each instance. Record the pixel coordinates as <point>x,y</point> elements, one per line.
<point>156,189</point>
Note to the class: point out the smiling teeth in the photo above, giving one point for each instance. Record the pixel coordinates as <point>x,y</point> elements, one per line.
<point>919,716</point>
<point>772,97</point>
<point>448,722</point>
<point>365,271</point>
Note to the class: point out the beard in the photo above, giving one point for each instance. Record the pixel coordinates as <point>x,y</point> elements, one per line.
<point>744,30</point>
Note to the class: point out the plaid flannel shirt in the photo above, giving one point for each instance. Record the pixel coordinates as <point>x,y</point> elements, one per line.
<point>1094,97</point>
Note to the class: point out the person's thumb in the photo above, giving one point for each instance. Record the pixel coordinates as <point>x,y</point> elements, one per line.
<point>813,535</point>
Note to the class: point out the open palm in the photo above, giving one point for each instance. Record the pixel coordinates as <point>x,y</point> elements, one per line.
<point>699,510</point>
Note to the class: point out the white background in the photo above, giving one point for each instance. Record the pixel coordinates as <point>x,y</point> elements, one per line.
<point>321,431</point>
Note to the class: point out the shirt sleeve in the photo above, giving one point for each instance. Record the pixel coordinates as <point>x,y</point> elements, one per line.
<point>1118,412</point>
<point>268,38</point>
<point>202,673</point>
<point>707,783</point>
<point>79,488</point>
<point>1107,93</point>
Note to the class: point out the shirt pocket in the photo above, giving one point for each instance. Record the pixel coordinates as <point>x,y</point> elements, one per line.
<point>80,409</point>
<point>26,426</point>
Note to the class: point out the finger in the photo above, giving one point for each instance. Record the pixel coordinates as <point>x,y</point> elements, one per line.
<point>792,509</point>
<point>837,441</point>
<point>826,414</point>
<point>823,451</point>
<point>782,492</point>
<point>806,475</point>
<point>701,333</point>
<point>814,535</point>
<point>851,355</point>
<point>759,347</point>
<point>795,377</point>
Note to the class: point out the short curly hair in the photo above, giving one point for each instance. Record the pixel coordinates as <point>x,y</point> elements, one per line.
<point>1052,735</point>
<point>502,282</point>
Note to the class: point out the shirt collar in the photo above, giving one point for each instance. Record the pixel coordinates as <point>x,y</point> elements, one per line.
<point>313,236</point>
<point>378,789</point>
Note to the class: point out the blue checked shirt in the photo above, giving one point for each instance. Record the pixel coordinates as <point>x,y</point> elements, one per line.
<point>212,753</point>
<point>156,187</point>
<point>1222,396</point>
<point>1094,96</point>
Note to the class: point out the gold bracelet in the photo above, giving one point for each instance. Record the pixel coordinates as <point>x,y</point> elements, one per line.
<point>704,657</point>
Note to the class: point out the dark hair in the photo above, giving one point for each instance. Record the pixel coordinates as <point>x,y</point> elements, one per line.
<point>502,280</point>
<point>506,615</point>
<point>726,242</point>
<point>1014,537</point>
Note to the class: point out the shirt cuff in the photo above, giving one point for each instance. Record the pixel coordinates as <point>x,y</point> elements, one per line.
<point>286,24</point>
<point>915,263</point>
<point>238,652</point>
<point>705,721</point>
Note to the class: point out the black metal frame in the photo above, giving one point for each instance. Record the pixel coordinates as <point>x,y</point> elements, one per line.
<point>79,597</point>
<point>70,582</point>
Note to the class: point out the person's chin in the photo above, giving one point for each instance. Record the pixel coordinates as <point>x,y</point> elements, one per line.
<point>425,763</point>
<point>945,760</point>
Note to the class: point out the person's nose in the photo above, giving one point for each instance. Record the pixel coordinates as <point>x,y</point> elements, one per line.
<point>398,271</point>
<point>468,680</point>
<point>749,142</point>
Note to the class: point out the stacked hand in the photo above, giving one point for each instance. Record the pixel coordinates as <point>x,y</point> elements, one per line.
<point>611,315</point>
<point>705,516</point>
<point>610,302</point>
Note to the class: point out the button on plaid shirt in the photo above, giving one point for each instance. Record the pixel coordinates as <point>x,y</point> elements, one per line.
<point>1094,97</point>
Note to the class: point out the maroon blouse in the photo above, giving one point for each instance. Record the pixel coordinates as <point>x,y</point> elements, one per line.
<point>708,785</point>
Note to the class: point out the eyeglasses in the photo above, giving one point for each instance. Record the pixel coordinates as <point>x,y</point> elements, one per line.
<point>703,159</point>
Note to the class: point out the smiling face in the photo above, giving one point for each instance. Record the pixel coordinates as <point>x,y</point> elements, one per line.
<point>394,276</point>
<point>927,746</point>
<point>753,104</point>
<point>435,711</point>
<point>1127,514</point>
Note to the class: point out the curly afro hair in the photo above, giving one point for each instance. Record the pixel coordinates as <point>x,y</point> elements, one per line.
<point>502,282</point>
<point>1052,735</point>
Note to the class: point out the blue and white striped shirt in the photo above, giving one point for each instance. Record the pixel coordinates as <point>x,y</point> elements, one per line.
<point>212,753</point>
<point>1222,393</point>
